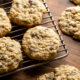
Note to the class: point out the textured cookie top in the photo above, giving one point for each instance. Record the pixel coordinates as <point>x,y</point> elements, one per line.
<point>10,54</point>
<point>70,21</point>
<point>40,43</point>
<point>66,72</point>
<point>76,1</point>
<point>27,12</point>
<point>47,76</point>
<point>5,26</point>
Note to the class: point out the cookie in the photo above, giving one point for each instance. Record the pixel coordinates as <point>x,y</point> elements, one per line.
<point>46,76</point>
<point>40,43</point>
<point>27,12</point>
<point>76,1</point>
<point>5,26</point>
<point>10,54</point>
<point>69,22</point>
<point>66,72</point>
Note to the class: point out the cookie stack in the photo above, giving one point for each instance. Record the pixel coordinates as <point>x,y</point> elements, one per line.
<point>38,43</point>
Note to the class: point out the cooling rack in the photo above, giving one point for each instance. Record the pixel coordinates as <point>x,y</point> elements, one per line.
<point>18,32</point>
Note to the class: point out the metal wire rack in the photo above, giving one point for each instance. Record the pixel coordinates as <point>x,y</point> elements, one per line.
<point>18,32</point>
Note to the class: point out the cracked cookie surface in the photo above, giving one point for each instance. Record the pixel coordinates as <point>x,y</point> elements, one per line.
<point>27,13</point>
<point>66,72</point>
<point>5,26</point>
<point>69,22</point>
<point>10,54</point>
<point>41,43</point>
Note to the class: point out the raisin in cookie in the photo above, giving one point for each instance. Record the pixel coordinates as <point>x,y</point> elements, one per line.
<point>10,54</point>
<point>5,26</point>
<point>41,43</point>
<point>47,76</point>
<point>76,1</point>
<point>66,72</point>
<point>69,22</point>
<point>27,12</point>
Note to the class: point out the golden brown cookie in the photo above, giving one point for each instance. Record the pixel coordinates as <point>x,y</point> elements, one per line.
<point>41,43</point>
<point>10,54</point>
<point>27,12</point>
<point>69,22</point>
<point>66,72</point>
<point>5,26</point>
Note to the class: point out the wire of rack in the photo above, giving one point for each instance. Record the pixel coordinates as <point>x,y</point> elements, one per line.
<point>18,32</point>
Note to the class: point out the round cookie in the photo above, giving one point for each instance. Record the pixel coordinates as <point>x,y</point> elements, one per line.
<point>69,22</point>
<point>27,12</point>
<point>40,43</point>
<point>5,26</point>
<point>47,76</point>
<point>76,1</point>
<point>66,72</point>
<point>10,54</point>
